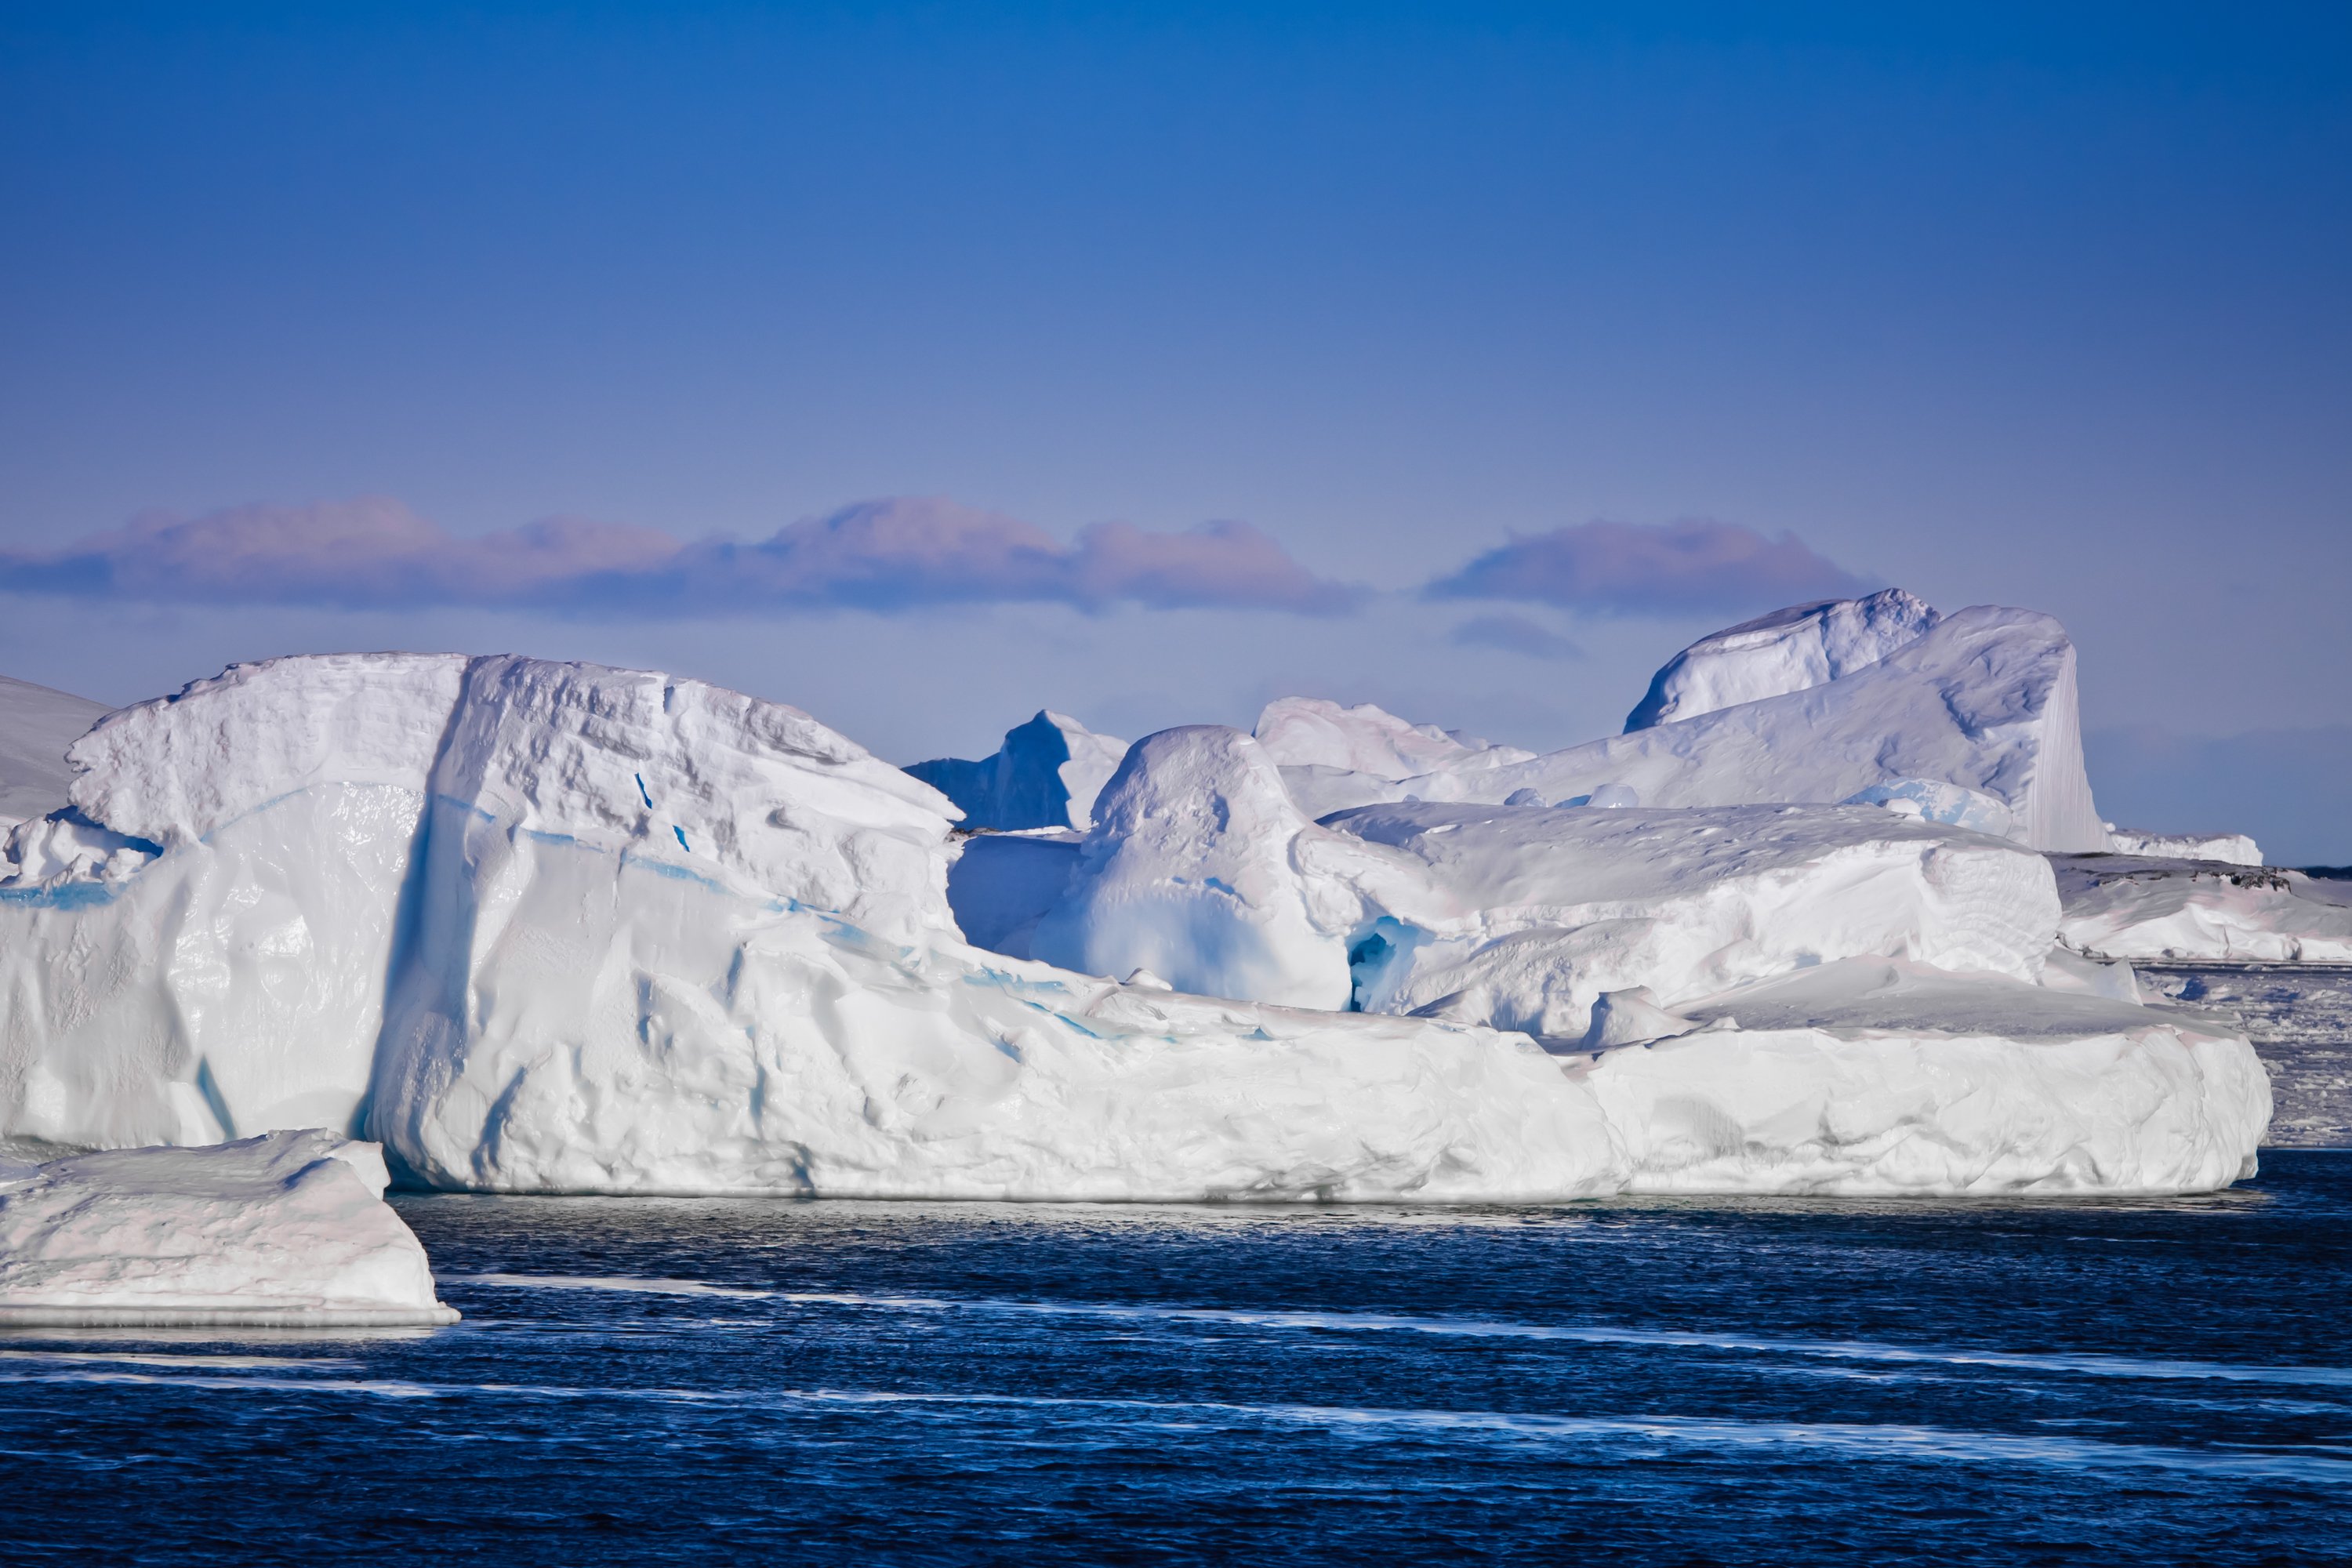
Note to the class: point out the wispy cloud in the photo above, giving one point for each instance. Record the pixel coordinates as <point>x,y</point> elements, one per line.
<point>1514,634</point>
<point>1625,568</point>
<point>894,554</point>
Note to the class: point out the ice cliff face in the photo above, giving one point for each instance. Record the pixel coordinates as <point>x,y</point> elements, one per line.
<point>1047,774</point>
<point>1788,650</point>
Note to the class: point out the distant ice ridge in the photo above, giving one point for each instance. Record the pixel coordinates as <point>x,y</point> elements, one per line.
<point>2148,909</point>
<point>37,725</point>
<point>1047,774</point>
<point>1788,650</point>
<point>1974,722</point>
<point>547,927</point>
<point>287,1230</point>
<point>2234,848</point>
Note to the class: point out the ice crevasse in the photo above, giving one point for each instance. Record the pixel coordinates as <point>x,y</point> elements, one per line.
<point>551,927</point>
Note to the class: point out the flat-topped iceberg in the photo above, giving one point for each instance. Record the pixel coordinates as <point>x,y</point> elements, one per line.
<point>2235,848</point>
<point>286,1230</point>
<point>2143,908</point>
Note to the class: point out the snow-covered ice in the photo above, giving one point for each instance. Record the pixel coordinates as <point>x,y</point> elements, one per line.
<point>552,927</point>
<point>1190,872</point>
<point>288,1230</point>
<point>1522,917</point>
<point>1047,774</point>
<point>1975,722</point>
<point>2140,908</point>
<point>1881,1075</point>
<point>1788,650</point>
<point>37,725</point>
<point>2236,848</point>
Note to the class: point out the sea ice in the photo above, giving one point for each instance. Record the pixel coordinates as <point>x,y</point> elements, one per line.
<point>1047,774</point>
<point>289,1230</point>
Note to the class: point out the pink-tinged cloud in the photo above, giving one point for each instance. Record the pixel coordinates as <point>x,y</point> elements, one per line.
<point>884,556</point>
<point>1626,568</point>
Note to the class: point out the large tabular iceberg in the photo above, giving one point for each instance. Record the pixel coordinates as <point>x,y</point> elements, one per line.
<point>287,1230</point>
<point>551,927</point>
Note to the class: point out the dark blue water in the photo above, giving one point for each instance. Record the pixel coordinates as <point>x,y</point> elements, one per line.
<point>1643,1382</point>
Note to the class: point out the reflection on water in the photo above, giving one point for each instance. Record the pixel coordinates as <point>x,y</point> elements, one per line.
<point>1649,1380</point>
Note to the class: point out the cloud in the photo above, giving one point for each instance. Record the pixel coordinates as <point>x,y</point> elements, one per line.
<point>1628,568</point>
<point>1514,634</point>
<point>895,554</point>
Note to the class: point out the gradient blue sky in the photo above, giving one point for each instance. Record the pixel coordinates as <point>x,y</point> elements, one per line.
<point>2000,305</point>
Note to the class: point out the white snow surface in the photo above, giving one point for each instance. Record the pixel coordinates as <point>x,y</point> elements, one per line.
<point>1309,732</point>
<point>2236,848</point>
<point>1976,723</point>
<point>2142,907</point>
<point>1522,917</point>
<point>1788,650</point>
<point>551,927</point>
<point>1189,872</point>
<point>288,1230</point>
<point>1045,775</point>
<point>1884,1075</point>
<point>37,725</point>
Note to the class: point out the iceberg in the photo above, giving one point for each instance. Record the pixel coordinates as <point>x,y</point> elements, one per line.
<point>37,725</point>
<point>1788,650</point>
<point>1047,774</point>
<point>286,1230</point>
<point>2236,848</point>
<point>544,927</point>
<point>2145,908</point>
<point>1976,722</point>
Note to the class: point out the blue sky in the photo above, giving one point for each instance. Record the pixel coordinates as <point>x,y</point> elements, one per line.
<point>937,363</point>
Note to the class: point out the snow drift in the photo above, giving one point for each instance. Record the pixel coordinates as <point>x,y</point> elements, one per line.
<point>286,1230</point>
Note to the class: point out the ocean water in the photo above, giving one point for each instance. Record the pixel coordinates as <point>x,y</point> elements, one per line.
<point>1671,1382</point>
